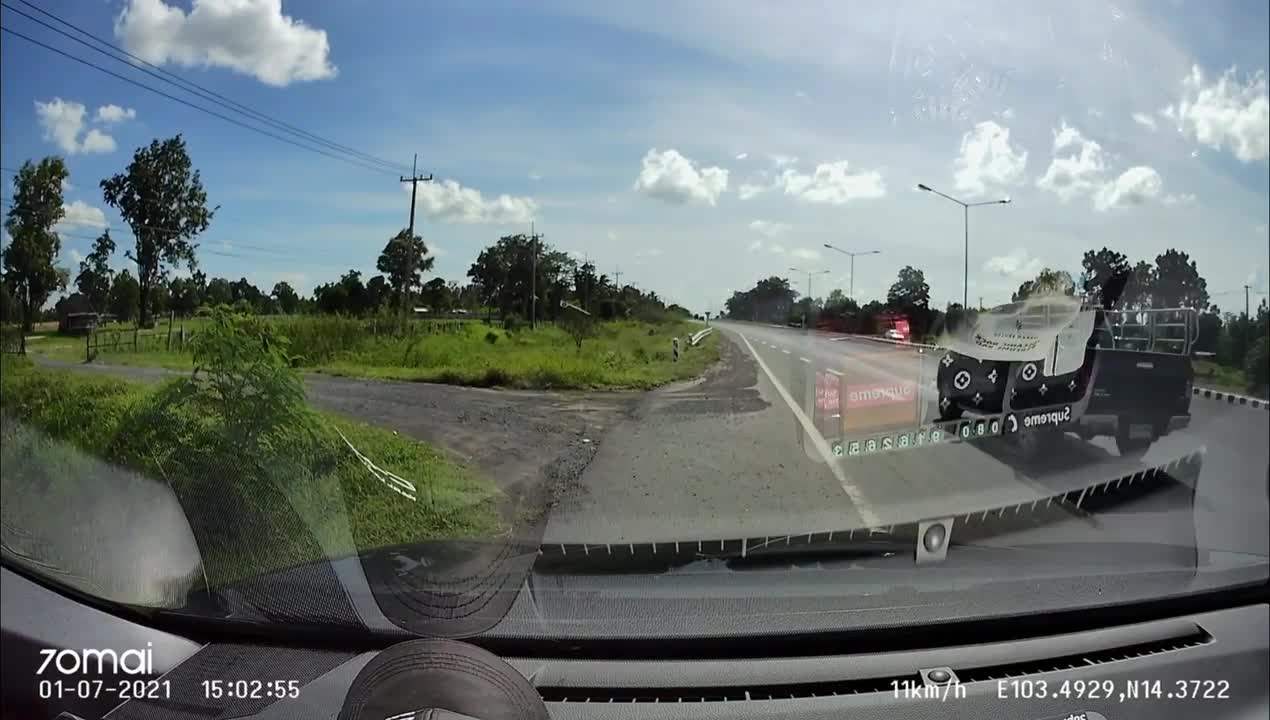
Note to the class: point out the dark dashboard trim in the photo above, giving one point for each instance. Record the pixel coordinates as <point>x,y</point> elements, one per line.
<point>1000,628</point>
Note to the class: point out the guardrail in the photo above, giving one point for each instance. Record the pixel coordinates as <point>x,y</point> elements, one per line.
<point>699,336</point>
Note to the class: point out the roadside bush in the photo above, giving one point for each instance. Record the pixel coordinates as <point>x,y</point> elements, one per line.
<point>242,370</point>
<point>513,323</point>
<point>491,337</point>
<point>1257,370</point>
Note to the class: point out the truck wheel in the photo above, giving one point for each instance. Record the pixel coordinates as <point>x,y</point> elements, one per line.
<point>1132,448</point>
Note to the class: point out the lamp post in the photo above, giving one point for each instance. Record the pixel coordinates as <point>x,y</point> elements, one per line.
<point>852,255</point>
<point>965,207</point>
<point>809,297</point>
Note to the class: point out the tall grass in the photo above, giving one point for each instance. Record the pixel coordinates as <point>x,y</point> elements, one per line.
<point>628,354</point>
<point>307,498</point>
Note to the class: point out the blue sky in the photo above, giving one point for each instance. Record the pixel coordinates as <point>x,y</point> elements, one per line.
<point>695,146</point>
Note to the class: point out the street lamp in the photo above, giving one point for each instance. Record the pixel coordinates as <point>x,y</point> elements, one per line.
<point>852,255</point>
<point>965,207</point>
<point>809,296</point>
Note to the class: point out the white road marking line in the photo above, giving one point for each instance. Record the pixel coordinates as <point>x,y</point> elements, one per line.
<point>818,440</point>
<point>786,352</point>
<point>835,372</point>
<point>804,360</point>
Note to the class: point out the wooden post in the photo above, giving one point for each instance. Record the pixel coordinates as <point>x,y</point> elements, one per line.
<point>171,317</point>
<point>88,352</point>
<point>135,332</point>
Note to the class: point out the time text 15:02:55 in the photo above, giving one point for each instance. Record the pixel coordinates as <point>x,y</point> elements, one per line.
<point>251,689</point>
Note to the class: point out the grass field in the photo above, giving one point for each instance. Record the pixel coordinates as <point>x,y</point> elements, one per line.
<point>1219,377</point>
<point>86,456</point>
<point>621,355</point>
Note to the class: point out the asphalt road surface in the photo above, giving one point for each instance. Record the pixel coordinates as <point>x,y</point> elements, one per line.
<point>759,448</point>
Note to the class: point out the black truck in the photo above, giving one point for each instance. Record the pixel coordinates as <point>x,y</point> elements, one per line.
<point>1134,384</point>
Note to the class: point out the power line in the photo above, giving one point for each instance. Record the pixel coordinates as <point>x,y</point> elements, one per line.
<point>200,108</point>
<point>193,87</point>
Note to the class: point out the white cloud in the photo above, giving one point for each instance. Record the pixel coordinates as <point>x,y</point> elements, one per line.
<point>1226,113</point>
<point>1073,175</point>
<point>1144,120</point>
<point>673,178</point>
<point>111,114</point>
<point>96,141</point>
<point>769,229</point>
<point>76,257</point>
<point>448,201</point>
<point>742,156</point>
<point>747,191</point>
<point>251,37</point>
<point>832,184</point>
<point>1007,114</point>
<point>81,214</point>
<point>987,158</point>
<point>1132,187</point>
<point>1094,113</point>
<point>780,160</point>
<point>1015,265</point>
<point>1180,199</point>
<point>805,254</point>
<point>1085,173</point>
<point>63,121</point>
<point>612,235</point>
<point>535,176</point>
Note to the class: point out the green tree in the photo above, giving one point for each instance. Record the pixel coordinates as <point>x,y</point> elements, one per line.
<point>1100,267</point>
<point>1140,288</point>
<point>124,295</point>
<point>1046,282</point>
<point>93,281</point>
<point>378,293</point>
<point>161,197</point>
<point>8,310</point>
<point>184,296</point>
<point>218,292</point>
<point>286,297</point>
<point>1177,282</point>
<point>511,271</point>
<point>29,259</point>
<point>770,300</point>
<point>437,295</point>
<point>403,259</point>
<point>909,290</point>
<point>357,299</point>
<point>586,285</point>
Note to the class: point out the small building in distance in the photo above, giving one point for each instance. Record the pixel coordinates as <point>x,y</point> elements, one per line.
<point>76,315</point>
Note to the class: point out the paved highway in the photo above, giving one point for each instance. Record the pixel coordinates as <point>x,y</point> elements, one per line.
<point>753,450</point>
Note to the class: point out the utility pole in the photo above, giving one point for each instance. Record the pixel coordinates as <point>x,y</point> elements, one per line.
<point>534,237</point>
<point>1247,309</point>
<point>617,278</point>
<point>414,180</point>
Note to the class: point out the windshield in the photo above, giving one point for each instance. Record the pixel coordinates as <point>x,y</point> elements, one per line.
<point>372,314</point>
